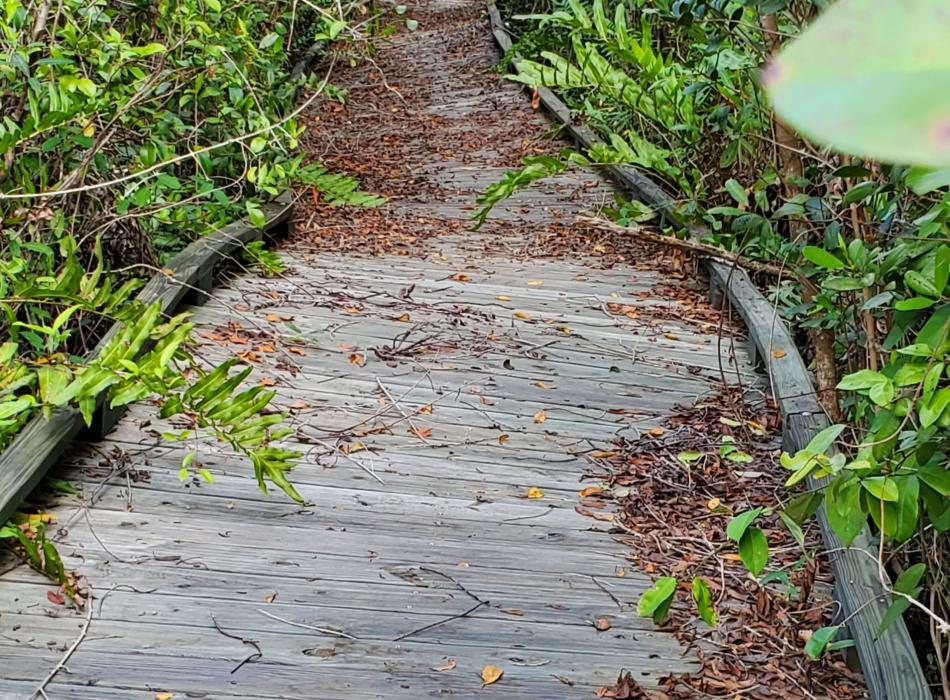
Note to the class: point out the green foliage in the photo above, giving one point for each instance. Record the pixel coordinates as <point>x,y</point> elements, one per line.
<point>535,168</point>
<point>882,96</point>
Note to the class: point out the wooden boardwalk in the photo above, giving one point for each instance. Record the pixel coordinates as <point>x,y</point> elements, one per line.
<point>430,393</point>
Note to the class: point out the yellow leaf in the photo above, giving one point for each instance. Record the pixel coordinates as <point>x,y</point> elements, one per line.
<point>603,454</point>
<point>503,297</point>
<point>522,315</point>
<point>534,492</point>
<point>540,417</point>
<point>535,283</point>
<point>163,696</point>
<point>713,503</point>
<point>491,674</point>
<point>778,353</point>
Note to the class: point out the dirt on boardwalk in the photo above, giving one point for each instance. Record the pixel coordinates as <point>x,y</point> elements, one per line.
<point>403,127</point>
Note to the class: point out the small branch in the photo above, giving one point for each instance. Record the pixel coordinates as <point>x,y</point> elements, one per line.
<point>442,622</point>
<point>321,630</point>
<point>694,246</point>
<point>395,404</point>
<point>41,688</point>
<point>251,658</point>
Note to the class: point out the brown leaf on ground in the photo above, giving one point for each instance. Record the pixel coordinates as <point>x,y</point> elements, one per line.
<point>491,674</point>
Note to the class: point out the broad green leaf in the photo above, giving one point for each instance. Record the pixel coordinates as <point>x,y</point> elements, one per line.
<point>822,258</point>
<point>737,192</point>
<point>754,550</point>
<point>739,524</point>
<point>704,602</point>
<point>655,602</point>
<point>869,77</point>
<point>688,457</point>
<point>819,640</point>
<point>936,477</point>
<point>881,487</point>
<point>909,579</point>
<point>793,527</point>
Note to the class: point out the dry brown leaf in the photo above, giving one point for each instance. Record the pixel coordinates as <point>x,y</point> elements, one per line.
<point>524,316</point>
<point>503,438</point>
<point>603,454</point>
<point>542,385</point>
<point>421,432</point>
<point>503,297</point>
<point>535,98</point>
<point>351,447</point>
<point>357,359</point>
<point>404,318</point>
<point>535,283</point>
<point>534,492</point>
<point>295,350</point>
<point>778,353</point>
<point>267,381</point>
<point>449,666</point>
<point>460,277</point>
<point>491,674</point>
<point>540,416</point>
<point>425,409</point>
<point>564,329</point>
<point>271,598</point>
<point>513,611</point>
<point>591,491</point>
<point>352,309</point>
<point>656,432</point>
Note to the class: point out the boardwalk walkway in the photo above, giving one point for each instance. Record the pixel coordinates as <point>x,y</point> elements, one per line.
<point>433,385</point>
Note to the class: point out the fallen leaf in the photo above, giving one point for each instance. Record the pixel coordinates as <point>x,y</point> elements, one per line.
<point>449,666</point>
<point>229,505</point>
<point>540,416</point>
<point>163,696</point>
<point>503,438</point>
<point>503,297</point>
<point>425,409</point>
<point>299,404</point>
<point>460,277</point>
<point>534,492</point>
<point>357,359</point>
<point>295,350</point>
<point>271,598</point>
<point>55,598</point>
<point>670,336</point>
<point>778,353</point>
<point>352,309</point>
<point>277,318</point>
<point>266,347</point>
<point>564,329</point>
<point>601,624</point>
<point>603,454</point>
<point>267,381</point>
<point>421,432</point>
<point>591,491</point>
<point>403,318</point>
<point>535,283</point>
<point>656,432</point>
<point>491,674</point>
<point>351,447</point>
<point>713,503</point>
<point>535,98</point>
<point>542,385</point>
<point>513,611</point>
<point>523,315</point>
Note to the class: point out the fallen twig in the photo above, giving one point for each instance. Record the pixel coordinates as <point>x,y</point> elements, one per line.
<point>41,688</point>
<point>251,658</point>
<point>321,630</point>
<point>694,246</point>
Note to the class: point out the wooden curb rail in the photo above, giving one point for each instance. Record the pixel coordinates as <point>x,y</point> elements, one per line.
<point>188,278</point>
<point>888,660</point>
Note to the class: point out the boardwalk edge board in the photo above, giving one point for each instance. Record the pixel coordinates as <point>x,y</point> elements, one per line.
<point>888,660</point>
<point>188,278</point>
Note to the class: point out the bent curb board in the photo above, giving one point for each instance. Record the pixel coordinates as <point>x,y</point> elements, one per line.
<point>889,659</point>
<point>187,278</point>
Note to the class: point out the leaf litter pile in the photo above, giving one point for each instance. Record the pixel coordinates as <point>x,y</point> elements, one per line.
<point>671,493</point>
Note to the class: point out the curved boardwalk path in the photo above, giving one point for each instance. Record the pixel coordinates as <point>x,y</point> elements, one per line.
<point>431,385</point>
